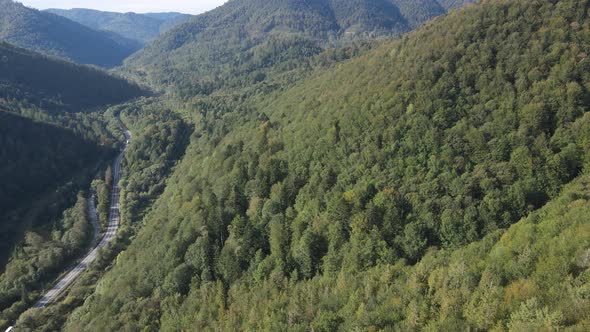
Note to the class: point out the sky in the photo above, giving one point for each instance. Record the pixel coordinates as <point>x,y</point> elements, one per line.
<point>138,6</point>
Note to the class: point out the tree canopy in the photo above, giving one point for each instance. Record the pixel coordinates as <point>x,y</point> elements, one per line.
<point>422,184</point>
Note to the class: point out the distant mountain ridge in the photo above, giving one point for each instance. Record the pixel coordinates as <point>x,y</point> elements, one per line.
<point>141,28</point>
<point>201,53</point>
<point>165,16</point>
<point>57,36</point>
<point>452,4</point>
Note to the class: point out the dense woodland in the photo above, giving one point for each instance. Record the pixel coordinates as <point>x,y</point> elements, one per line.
<point>150,162</point>
<point>305,172</point>
<point>237,45</point>
<point>48,143</point>
<point>52,146</point>
<point>420,185</point>
<point>42,158</point>
<point>41,257</point>
<point>57,85</point>
<point>161,141</point>
<point>51,157</point>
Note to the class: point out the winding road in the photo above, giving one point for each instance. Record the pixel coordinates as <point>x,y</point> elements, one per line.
<point>109,235</point>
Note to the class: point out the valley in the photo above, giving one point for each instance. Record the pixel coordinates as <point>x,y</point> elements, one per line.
<point>109,234</point>
<point>333,165</point>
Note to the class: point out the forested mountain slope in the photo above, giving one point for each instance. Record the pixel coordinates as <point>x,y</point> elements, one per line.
<point>57,36</point>
<point>44,143</point>
<point>159,140</point>
<point>141,28</point>
<point>245,38</point>
<point>374,195</point>
<point>37,157</point>
<point>58,85</point>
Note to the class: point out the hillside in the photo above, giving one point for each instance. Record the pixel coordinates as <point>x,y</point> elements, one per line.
<point>141,28</point>
<point>25,75</point>
<point>252,38</point>
<point>55,140</point>
<point>436,182</point>
<point>54,35</point>
<point>46,142</point>
<point>41,157</point>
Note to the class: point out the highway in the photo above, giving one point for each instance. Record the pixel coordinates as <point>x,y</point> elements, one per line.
<point>108,236</point>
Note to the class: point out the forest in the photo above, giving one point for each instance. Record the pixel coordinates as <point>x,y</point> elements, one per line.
<point>437,181</point>
<point>31,78</point>
<point>50,144</point>
<point>41,157</point>
<point>160,143</point>
<point>41,257</point>
<point>333,165</point>
<point>53,143</point>
<point>212,53</point>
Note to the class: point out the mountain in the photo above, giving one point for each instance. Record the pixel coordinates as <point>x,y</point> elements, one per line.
<point>141,28</point>
<point>247,37</point>
<point>56,85</point>
<point>436,182</point>
<point>57,36</point>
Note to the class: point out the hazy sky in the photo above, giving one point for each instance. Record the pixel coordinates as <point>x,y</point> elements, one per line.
<point>138,6</point>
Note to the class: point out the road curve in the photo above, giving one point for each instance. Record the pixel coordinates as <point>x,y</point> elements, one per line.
<point>109,235</point>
